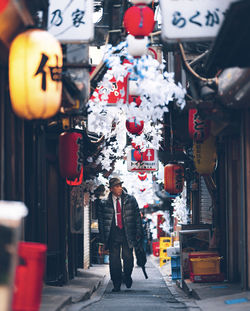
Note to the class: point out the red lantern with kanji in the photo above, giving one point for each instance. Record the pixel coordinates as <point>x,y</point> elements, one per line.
<point>138,155</point>
<point>69,155</point>
<point>142,176</point>
<point>198,127</point>
<point>139,20</point>
<point>134,126</point>
<point>173,178</point>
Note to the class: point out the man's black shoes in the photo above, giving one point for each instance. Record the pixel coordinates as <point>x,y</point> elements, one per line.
<point>128,281</point>
<point>116,289</point>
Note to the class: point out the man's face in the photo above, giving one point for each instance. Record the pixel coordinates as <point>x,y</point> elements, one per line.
<point>117,190</point>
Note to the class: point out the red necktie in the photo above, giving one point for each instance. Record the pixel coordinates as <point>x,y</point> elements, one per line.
<point>119,214</point>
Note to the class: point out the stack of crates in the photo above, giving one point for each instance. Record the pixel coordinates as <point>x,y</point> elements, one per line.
<point>176,267</point>
<point>165,242</point>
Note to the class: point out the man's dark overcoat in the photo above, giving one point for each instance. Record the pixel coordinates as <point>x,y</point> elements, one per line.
<point>131,219</point>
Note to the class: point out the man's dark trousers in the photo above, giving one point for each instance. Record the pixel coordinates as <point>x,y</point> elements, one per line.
<point>117,243</point>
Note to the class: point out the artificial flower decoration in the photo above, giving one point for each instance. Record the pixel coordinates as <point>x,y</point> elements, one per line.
<point>156,88</point>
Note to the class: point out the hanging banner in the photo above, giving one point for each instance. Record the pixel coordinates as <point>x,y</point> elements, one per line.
<point>192,20</point>
<point>149,161</point>
<point>71,21</point>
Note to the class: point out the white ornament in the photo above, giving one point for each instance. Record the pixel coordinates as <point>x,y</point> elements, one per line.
<point>137,47</point>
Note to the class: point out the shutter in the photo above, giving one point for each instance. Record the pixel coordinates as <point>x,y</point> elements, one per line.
<point>86,233</point>
<point>206,209</point>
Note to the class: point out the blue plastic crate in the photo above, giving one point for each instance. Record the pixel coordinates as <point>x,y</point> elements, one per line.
<point>176,273</point>
<point>175,261</point>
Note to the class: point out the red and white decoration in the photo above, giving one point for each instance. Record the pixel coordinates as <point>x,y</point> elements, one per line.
<point>142,176</point>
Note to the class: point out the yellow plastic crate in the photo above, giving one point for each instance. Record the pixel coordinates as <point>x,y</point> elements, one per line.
<point>206,265</point>
<point>165,242</point>
<point>164,254</point>
<point>163,261</point>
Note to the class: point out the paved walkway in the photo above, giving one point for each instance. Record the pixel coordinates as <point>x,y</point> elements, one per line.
<point>91,291</point>
<point>145,295</point>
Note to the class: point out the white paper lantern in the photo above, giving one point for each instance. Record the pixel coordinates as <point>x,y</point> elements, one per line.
<point>133,88</point>
<point>141,1</point>
<point>137,47</point>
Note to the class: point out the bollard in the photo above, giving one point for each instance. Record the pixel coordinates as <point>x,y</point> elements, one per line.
<point>29,276</point>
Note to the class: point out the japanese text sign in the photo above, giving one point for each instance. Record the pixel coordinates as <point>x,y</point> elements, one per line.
<point>192,20</point>
<point>149,161</point>
<point>71,21</point>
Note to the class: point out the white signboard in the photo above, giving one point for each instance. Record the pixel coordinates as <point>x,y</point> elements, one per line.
<point>192,20</point>
<point>71,21</point>
<point>149,161</point>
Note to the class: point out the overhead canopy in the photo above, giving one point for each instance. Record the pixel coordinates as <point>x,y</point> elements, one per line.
<point>232,44</point>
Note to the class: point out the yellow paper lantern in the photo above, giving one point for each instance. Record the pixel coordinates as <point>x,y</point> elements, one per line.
<point>35,68</point>
<point>205,156</point>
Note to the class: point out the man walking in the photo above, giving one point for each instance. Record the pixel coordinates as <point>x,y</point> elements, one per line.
<point>120,228</point>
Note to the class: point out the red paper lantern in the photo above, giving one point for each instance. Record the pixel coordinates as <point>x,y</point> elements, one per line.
<point>199,128</point>
<point>77,181</point>
<point>139,20</point>
<point>134,126</point>
<point>69,155</point>
<point>142,176</point>
<point>173,178</point>
<point>138,155</point>
<point>135,99</point>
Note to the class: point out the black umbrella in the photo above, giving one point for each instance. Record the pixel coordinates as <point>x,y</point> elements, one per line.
<point>141,258</point>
